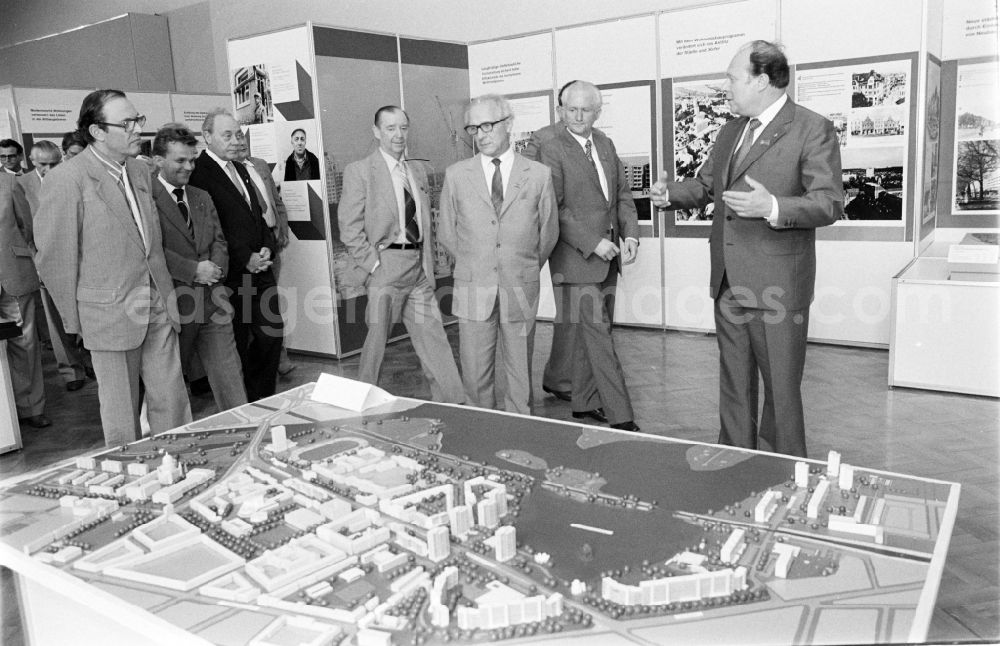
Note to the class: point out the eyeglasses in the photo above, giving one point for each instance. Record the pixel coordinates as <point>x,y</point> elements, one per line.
<point>129,125</point>
<point>486,127</point>
<point>14,156</point>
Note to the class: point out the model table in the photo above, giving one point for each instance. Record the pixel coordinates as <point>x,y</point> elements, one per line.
<point>288,521</point>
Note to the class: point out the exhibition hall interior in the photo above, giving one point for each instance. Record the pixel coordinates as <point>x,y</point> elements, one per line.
<point>729,374</point>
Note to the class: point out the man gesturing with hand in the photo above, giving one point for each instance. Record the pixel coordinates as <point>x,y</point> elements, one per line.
<point>775,176</point>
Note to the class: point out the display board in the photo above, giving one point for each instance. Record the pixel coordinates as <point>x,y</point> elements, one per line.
<point>976,173</point>
<point>511,66</point>
<point>273,90</point>
<point>291,521</point>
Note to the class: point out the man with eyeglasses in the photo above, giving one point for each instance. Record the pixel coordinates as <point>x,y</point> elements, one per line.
<point>107,273</point>
<point>598,233</point>
<point>385,222</point>
<point>11,153</point>
<point>70,358</point>
<point>499,220</point>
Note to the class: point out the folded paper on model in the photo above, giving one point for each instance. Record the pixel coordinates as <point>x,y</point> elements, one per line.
<point>347,393</point>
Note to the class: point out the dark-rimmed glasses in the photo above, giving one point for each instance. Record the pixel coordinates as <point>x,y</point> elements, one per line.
<point>486,127</point>
<point>129,125</point>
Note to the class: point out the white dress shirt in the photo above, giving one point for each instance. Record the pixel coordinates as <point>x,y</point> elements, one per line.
<point>506,166</point>
<point>766,117</point>
<point>397,184</point>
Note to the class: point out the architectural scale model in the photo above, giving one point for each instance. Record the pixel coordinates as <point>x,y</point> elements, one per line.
<point>293,522</point>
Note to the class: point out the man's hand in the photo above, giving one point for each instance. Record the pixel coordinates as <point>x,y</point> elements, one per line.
<point>630,250</point>
<point>753,204</point>
<point>282,236</point>
<point>207,273</point>
<point>606,249</point>
<point>658,193</point>
<point>257,263</point>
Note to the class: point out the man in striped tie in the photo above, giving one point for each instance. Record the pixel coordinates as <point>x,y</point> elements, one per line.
<point>774,175</point>
<point>105,269</point>
<point>198,257</point>
<point>385,222</point>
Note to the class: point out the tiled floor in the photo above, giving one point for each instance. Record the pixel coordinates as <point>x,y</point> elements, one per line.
<point>672,378</point>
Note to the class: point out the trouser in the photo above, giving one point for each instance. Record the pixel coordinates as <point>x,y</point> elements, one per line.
<point>773,344</point>
<point>24,353</point>
<point>156,362</point>
<point>258,330</point>
<point>478,351</point>
<point>71,359</point>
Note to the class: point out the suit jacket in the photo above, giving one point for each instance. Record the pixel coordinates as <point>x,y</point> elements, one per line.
<point>797,158</point>
<point>498,256</point>
<point>584,214</point>
<point>184,250</point>
<point>17,269</point>
<point>31,184</point>
<point>290,165</point>
<point>91,255</point>
<point>280,212</point>
<point>242,224</point>
<point>369,215</point>
<point>532,148</point>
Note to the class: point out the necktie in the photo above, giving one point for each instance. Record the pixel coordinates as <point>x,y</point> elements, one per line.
<point>231,169</point>
<point>179,194</point>
<point>496,187</point>
<point>588,148</point>
<point>409,209</point>
<point>745,146</point>
<point>124,189</point>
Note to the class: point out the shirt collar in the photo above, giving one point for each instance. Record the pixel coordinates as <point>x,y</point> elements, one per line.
<point>391,161</point>
<point>582,140</point>
<point>112,166</point>
<point>767,115</point>
<point>167,185</point>
<point>218,160</point>
<point>505,157</point>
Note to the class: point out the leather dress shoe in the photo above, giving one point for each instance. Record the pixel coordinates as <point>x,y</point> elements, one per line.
<point>75,385</point>
<point>564,395</point>
<point>626,426</point>
<point>597,414</point>
<point>36,421</point>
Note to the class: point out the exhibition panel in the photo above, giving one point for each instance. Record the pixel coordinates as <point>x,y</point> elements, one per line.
<point>397,520</point>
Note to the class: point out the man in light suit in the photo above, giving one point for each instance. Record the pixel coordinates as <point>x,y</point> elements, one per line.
<point>774,175</point>
<point>11,153</point>
<point>385,222</point>
<point>557,379</point>
<point>499,220</point>
<point>257,323</point>
<point>70,358</point>
<point>18,300</point>
<point>598,232</point>
<point>197,257</point>
<point>100,254</point>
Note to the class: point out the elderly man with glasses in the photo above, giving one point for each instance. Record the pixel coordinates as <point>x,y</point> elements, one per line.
<point>107,273</point>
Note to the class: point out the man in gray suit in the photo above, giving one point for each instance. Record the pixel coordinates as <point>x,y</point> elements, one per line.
<point>197,257</point>
<point>18,298</point>
<point>106,270</point>
<point>598,232</point>
<point>499,220</point>
<point>385,222</point>
<point>557,380</point>
<point>774,176</point>
<point>70,357</point>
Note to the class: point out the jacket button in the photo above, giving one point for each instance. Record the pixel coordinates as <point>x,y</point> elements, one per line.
<point>729,217</point>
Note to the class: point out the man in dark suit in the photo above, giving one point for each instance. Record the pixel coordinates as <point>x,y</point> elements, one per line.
<point>598,232</point>
<point>18,297</point>
<point>557,380</point>
<point>106,271</point>
<point>197,256</point>
<point>257,323</point>
<point>774,175</point>
<point>385,222</point>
